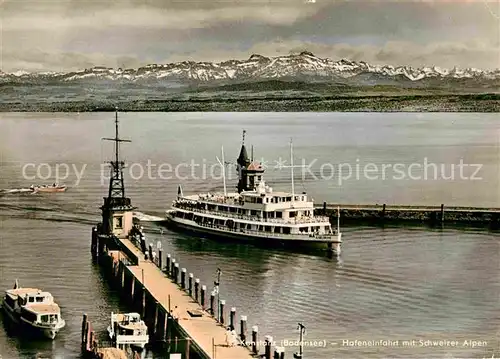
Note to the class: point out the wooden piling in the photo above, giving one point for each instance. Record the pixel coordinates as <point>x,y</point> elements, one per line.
<point>190,284</point>
<point>196,288</point>
<point>160,259</point>
<point>268,342</point>
<point>91,338</point>
<point>188,344</point>
<point>243,328</point>
<point>154,303</point>
<point>84,327</point>
<point>255,331</point>
<point>121,274</point>
<point>183,278</point>
<point>442,213</point>
<point>232,318</point>
<point>93,246</point>
<point>160,323</point>
<point>142,304</point>
<point>172,269</point>
<point>150,248</point>
<point>203,293</point>
<point>212,303</point>
<point>168,264</point>
<point>279,353</point>
<point>176,275</point>
<point>222,304</point>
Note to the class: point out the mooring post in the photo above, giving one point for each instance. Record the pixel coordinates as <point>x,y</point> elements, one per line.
<point>243,329</point>
<point>190,284</point>
<point>93,247</point>
<point>183,278</point>
<point>91,340</point>
<point>442,212</point>
<point>177,273</point>
<point>160,259</point>
<point>202,295</point>
<point>268,342</point>
<point>221,311</point>
<point>196,289</point>
<point>232,317</point>
<point>255,330</point>
<point>279,353</point>
<point>383,210</point>
<point>172,269</point>
<point>84,326</point>
<point>188,344</point>
<point>156,314</point>
<point>212,302</point>
<point>143,301</point>
<point>150,249</point>
<point>324,208</point>
<point>169,258</point>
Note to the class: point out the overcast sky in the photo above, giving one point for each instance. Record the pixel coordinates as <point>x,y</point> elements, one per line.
<point>62,35</point>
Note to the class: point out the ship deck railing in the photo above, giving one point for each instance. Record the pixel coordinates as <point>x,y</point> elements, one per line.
<point>305,235</point>
<point>314,219</point>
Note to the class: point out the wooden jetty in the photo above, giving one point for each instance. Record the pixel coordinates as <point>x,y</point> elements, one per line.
<point>180,318</point>
<point>93,349</point>
<point>430,215</point>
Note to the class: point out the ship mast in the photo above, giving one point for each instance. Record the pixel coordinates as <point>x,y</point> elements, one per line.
<point>338,219</point>
<point>116,185</point>
<point>223,165</point>
<point>223,171</point>
<point>291,169</point>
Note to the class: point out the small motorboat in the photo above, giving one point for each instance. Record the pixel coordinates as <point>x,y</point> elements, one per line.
<point>55,187</point>
<point>33,310</point>
<point>128,329</point>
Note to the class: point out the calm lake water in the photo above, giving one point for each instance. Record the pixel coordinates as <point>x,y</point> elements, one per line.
<point>391,284</point>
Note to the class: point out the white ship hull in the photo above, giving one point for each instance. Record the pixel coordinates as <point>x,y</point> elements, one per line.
<point>331,243</point>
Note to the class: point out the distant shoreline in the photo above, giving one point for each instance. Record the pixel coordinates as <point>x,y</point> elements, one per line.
<point>487,103</point>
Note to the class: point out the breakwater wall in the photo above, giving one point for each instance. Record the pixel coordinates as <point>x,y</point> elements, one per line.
<point>182,315</point>
<point>427,215</point>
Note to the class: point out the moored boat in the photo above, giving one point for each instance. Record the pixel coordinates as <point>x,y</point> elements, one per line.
<point>128,329</point>
<point>255,213</point>
<point>34,310</point>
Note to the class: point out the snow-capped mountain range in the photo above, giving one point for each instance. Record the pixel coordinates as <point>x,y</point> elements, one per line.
<point>303,66</point>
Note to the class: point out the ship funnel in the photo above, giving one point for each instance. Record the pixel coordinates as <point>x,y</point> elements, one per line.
<point>16,284</point>
<point>179,192</point>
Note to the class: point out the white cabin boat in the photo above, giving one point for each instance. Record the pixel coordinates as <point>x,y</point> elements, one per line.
<point>33,309</point>
<point>128,329</point>
<point>255,213</point>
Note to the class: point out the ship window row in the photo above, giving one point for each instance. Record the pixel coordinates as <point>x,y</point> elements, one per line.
<point>48,318</point>
<point>35,299</point>
<point>251,227</point>
<point>254,212</point>
<point>274,199</point>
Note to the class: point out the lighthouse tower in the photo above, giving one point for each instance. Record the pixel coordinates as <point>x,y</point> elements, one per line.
<point>117,210</point>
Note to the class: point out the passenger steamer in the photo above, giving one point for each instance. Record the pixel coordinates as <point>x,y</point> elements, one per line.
<point>255,212</point>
